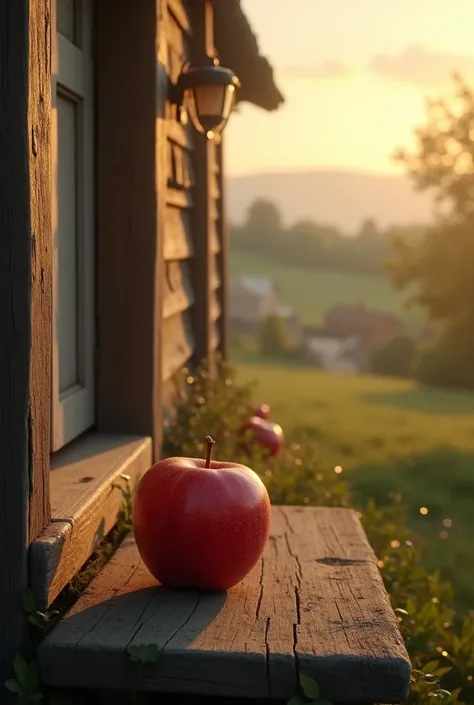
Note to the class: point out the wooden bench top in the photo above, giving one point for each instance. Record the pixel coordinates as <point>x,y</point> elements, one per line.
<point>314,604</point>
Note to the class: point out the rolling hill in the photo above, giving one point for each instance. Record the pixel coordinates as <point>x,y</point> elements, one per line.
<point>341,197</point>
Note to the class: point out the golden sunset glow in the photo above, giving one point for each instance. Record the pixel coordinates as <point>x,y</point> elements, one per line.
<point>352,94</point>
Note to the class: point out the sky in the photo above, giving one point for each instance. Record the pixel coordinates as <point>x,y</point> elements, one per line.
<point>355,75</point>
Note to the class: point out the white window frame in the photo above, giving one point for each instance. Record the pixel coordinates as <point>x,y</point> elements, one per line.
<point>73,411</point>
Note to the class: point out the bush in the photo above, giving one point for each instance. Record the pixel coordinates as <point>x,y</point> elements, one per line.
<point>440,641</point>
<point>274,340</point>
<point>395,358</point>
<point>449,362</point>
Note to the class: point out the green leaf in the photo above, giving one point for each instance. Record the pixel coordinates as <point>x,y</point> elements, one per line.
<point>13,686</point>
<point>144,653</point>
<point>33,698</point>
<point>38,619</point>
<point>296,700</point>
<point>28,601</point>
<point>32,678</point>
<point>430,666</point>
<point>20,667</point>
<point>309,687</point>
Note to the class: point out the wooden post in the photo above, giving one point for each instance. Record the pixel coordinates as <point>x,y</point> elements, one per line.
<point>15,268</point>
<point>223,256</point>
<point>202,47</point>
<point>39,131</point>
<point>130,186</point>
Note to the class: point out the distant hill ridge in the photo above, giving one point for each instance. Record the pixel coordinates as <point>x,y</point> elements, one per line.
<point>343,198</point>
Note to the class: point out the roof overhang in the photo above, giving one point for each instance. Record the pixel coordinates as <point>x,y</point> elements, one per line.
<point>238,49</point>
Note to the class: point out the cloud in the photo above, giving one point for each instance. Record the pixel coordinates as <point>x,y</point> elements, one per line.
<point>422,67</point>
<point>329,70</point>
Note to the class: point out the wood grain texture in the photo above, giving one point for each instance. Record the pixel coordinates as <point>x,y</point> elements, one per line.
<point>179,134</point>
<point>178,292</point>
<point>178,10</point>
<point>315,603</point>
<point>222,259</point>
<point>86,499</point>
<point>178,343</point>
<point>131,175</point>
<point>181,198</point>
<point>15,316</point>
<point>178,242</point>
<point>39,126</point>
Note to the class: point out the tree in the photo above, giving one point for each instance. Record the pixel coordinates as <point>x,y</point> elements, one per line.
<point>437,267</point>
<point>264,216</point>
<point>395,358</point>
<point>274,339</point>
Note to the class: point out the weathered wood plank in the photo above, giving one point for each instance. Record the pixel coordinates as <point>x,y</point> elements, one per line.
<point>215,306</point>
<point>86,499</point>
<point>222,259</point>
<point>181,134</point>
<point>131,174</point>
<point>178,48</point>
<point>178,10</point>
<point>39,124</point>
<point>214,243</point>
<point>178,291</point>
<point>215,334</point>
<point>179,198</point>
<point>178,243</point>
<point>180,172</point>
<point>15,312</point>
<point>178,343</point>
<point>215,274</point>
<point>214,185</point>
<point>314,603</point>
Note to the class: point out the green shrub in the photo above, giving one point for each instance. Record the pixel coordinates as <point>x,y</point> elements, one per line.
<point>440,641</point>
<point>274,340</point>
<point>395,358</point>
<point>448,362</point>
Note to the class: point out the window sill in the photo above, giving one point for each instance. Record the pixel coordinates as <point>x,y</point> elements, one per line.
<point>84,506</point>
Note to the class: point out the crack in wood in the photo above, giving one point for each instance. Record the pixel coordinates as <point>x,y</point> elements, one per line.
<point>291,614</point>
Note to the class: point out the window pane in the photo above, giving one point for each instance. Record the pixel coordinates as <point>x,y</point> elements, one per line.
<point>67,19</point>
<point>67,243</point>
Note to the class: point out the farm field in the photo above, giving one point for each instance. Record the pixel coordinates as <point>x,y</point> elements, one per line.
<point>312,292</point>
<point>389,436</point>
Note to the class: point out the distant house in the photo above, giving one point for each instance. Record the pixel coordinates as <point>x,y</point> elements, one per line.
<point>371,326</point>
<point>251,299</point>
<point>334,354</point>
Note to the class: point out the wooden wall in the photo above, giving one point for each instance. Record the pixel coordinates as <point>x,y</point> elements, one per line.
<point>178,332</point>
<point>191,236</point>
<point>215,239</point>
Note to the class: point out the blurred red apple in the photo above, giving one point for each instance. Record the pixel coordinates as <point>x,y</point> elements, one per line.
<point>262,410</point>
<point>200,523</point>
<point>266,433</point>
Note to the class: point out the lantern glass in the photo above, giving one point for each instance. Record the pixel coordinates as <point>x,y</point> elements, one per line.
<point>209,106</point>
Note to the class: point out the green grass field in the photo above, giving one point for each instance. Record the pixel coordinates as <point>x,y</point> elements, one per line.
<point>312,292</point>
<point>389,436</point>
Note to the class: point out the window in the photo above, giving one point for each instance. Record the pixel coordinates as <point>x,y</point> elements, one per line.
<point>73,221</point>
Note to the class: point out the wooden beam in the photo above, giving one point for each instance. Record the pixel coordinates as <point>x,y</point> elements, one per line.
<point>39,129</point>
<point>15,311</point>
<point>201,21</point>
<point>315,603</point>
<point>131,191</point>
<point>223,256</point>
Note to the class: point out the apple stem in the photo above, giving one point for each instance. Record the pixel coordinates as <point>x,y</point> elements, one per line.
<point>210,445</point>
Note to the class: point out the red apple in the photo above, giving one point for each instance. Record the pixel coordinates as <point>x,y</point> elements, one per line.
<point>200,523</point>
<point>266,433</point>
<point>262,410</point>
